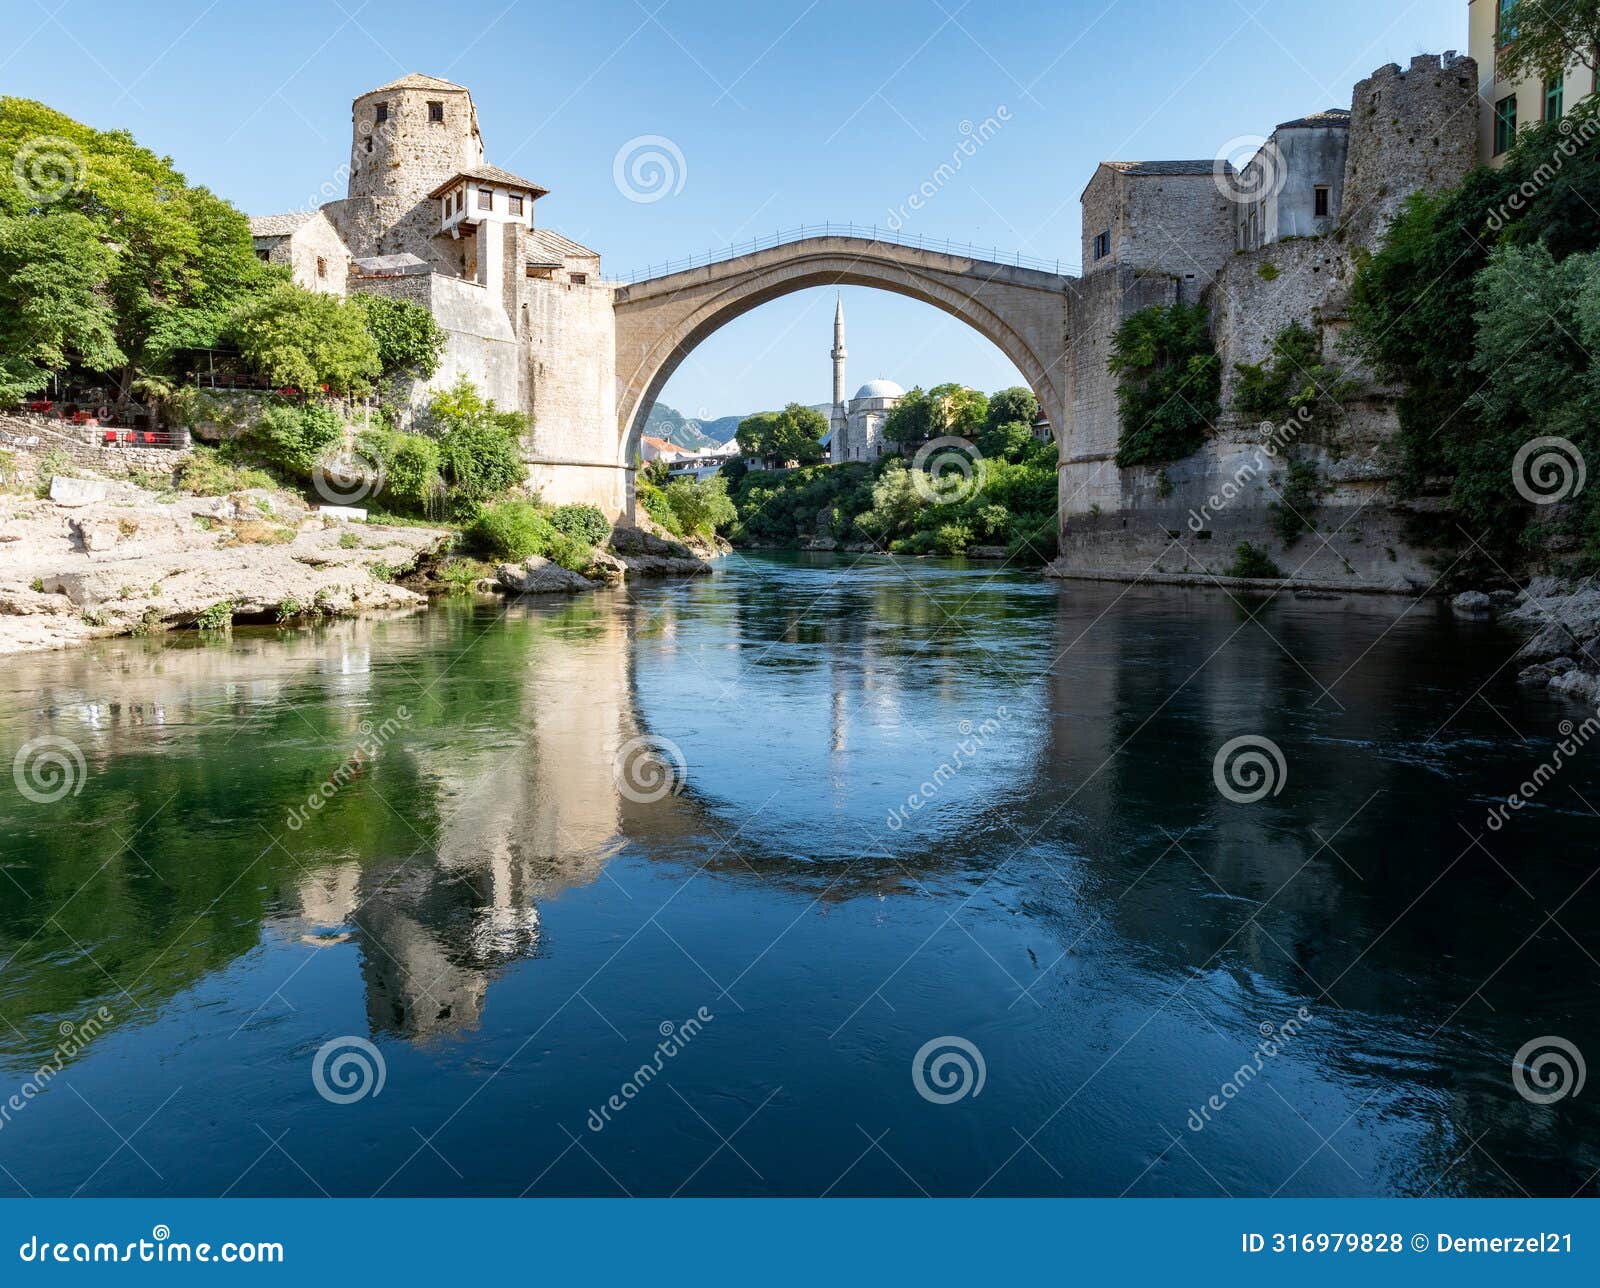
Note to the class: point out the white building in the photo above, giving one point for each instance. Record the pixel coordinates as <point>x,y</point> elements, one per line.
<point>856,425</point>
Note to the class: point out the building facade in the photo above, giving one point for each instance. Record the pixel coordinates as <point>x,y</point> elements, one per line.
<point>1506,106</point>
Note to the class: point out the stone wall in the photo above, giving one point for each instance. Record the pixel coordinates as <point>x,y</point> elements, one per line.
<point>479,342</point>
<point>76,444</point>
<point>1409,131</point>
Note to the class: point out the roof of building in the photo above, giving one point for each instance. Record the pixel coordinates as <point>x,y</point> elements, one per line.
<point>491,174</point>
<point>549,247</point>
<point>880,389</point>
<point>402,265</point>
<point>416,80</point>
<point>1333,118</point>
<point>1164,167</point>
<point>279,225</point>
<point>662,445</point>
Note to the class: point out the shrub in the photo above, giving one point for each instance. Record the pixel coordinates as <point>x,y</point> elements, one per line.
<point>409,340</point>
<point>307,340</point>
<point>516,530</point>
<point>411,468</point>
<point>584,522</point>
<point>655,503</point>
<point>952,538</point>
<point>295,436</point>
<point>480,448</point>
<point>205,473</point>
<point>1302,489</point>
<point>701,506</point>
<point>1168,383</point>
<point>219,617</point>
<point>1251,561</point>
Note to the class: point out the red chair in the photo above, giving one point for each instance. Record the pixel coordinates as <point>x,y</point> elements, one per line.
<point>128,436</point>
<point>150,439</point>
<point>111,436</point>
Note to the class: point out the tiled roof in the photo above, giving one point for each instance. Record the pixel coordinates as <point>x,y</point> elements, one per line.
<point>279,225</point>
<point>416,80</point>
<point>491,174</point>
<point>1333,117</point>
<point>404,264</point>
<point>549,246</point>
<point>1162,167</point>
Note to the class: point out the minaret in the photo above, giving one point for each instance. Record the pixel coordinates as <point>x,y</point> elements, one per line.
<point>839,410</point>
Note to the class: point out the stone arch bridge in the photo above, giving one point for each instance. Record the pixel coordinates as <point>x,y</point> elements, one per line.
<point>659,320</point>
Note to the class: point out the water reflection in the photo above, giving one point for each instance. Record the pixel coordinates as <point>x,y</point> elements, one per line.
<point>428,807</point>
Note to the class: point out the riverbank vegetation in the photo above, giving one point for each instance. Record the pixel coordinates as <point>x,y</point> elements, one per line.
<point>994,489</point>
<point>1485,302</point>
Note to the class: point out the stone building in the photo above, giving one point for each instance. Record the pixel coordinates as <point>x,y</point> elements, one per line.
<point>1255,250</point>
<point>526,316</point>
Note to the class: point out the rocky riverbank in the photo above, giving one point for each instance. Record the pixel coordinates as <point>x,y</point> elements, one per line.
<point>112,558</point>
<point>1562,618</point>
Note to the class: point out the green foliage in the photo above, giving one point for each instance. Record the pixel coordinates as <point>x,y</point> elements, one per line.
<point>585,523</point>
<point>1012,441</point>
<point>219,617</point>
<point>1294,384</point>
<point>1252,561</point>
<point>480,447</point>
<point>206,473</point>
<point>295,436</point>
<point>1016,404</point>
<point>306,340</point>
<point>518,529</point>
<point>655,503</point>
<point>167,262</point>
<point>793,434</point>
<point>701,506</point>
<point>1168,383</point>
<point>410,464</point>
<point>409,341</point>
<point>1437,309</point>
<point>52,313</point>
<point>910,420</point>
<point>956,410</point>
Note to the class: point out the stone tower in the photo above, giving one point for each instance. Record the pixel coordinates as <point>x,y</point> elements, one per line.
<point>406,138</point>
<point>838,354</point>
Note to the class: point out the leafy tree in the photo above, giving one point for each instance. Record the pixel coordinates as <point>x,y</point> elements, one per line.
<point>52,313</point>
<point>179,259</point>
<point>1010,441</point>
<point>1545,37</point>
<point>305,339</point>
<point>1010,405</point>
<point>702,506</point>
<point>793,434</point>
<point>409,340</point>
<point>410,465</point>
<point>480,446</point>
<point>957,410</point>
<point>910,420</point>
<point>584,522</point>
<point>1168,382</point>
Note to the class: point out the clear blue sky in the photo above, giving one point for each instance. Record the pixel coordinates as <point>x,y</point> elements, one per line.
<point>783,110</point>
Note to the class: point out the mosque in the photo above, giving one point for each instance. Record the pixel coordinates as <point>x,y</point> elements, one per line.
<point>856,425</point>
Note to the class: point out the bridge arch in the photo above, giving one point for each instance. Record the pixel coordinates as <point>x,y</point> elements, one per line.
<point>660,321</point>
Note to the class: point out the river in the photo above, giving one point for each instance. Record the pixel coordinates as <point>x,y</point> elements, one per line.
<point>819,875</point>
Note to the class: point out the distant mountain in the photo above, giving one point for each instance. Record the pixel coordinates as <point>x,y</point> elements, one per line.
<point>669,423</point>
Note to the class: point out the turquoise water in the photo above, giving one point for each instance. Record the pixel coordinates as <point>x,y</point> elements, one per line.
<point>665,892</point>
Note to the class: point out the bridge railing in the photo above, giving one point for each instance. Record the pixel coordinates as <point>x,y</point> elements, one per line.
<point>988,254</point>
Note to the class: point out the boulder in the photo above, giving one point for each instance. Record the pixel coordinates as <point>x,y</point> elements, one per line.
<point>67,491</point>
<point>98,533</point>
<point>540,576</point>
<point>1472,603</point>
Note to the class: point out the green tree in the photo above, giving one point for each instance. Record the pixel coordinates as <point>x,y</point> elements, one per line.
<point>793,434</point>
<point>1014,404</point>
<point>295,436</point>
<point>910,420</point>
<point>1545,37</point>
<point>180,258</point>
<point>1168,383</point>
<point>956,410</point>
<point>702,506</point>
<point>52,313</point>
<point>307,340</point>
<point>409,340</point>
<point>480,446</point>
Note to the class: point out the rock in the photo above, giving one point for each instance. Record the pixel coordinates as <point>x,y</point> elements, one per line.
<point>986,552</point>
<point>74,492</point>
<point>346,513</point>
<point>609,568</point>
<point>1472,603</point>
<point>97,533</point>
<point>1541,673</point>
<point>540,576</point>
<point>1582,685</point>
<point>665,566</point>
<point>636,541</point>
<point>820,543</point>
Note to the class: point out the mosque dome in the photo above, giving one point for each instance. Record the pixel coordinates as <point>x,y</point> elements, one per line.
<point>880,389</point>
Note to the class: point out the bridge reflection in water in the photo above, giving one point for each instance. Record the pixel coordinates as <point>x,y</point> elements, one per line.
<point>1075,897</point>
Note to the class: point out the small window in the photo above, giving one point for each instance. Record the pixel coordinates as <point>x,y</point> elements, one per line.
<point>1102,245</point>
<point>263,255</point>
<point>436,112</point>
<point>580,279</point>
<point>380,114</point>
<point>1552,99</point>
<point>369,143</point>
<point>322,267</point>
<point>1320,201</point>
<point>1505,124</point>
<point>516,205</point>
<point>485,198</point>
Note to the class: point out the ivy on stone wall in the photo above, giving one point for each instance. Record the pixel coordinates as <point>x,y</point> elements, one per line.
<point>1169,380</point>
